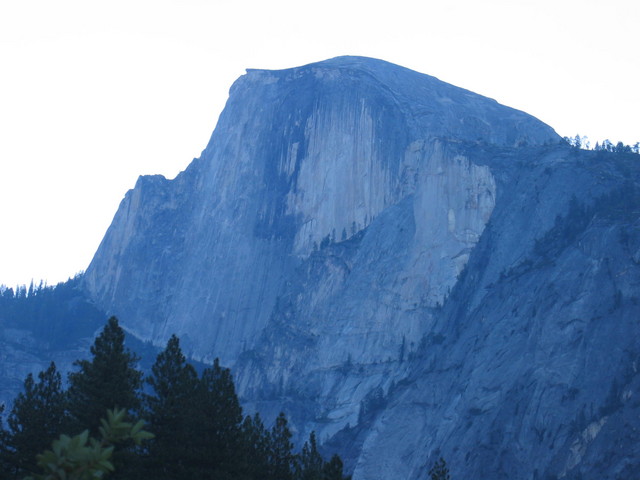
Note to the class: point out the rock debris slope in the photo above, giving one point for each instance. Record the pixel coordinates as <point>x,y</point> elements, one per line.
<point>410,269</point>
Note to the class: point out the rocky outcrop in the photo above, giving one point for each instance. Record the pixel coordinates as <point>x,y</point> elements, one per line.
<point>530,368</point>
<point>408,268</point>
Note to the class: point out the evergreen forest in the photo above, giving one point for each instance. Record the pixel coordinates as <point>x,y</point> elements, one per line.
<point>111,421</point>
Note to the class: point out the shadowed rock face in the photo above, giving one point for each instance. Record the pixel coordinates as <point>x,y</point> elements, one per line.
<point>529,369</point>
<point>300,156</point>
<point>377,253</point>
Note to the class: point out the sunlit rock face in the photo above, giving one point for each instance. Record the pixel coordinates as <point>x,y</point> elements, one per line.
<point>367,247</point>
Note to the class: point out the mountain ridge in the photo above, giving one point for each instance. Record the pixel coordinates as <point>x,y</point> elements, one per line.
<point>319,143</point>
<point>410,269</point>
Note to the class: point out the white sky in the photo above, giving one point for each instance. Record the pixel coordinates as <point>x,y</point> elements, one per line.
<point>95,93</point>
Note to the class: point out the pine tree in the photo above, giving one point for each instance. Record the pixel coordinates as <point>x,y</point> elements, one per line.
<point>109,380</point>
<point>5,466</point>
<point>310,465</point>
<point>37,417</point>
<point>281,459</point>
<point>257,444</point>
<point>440,471</point>
<point>218,424</point>
<point>169,411</point>
<point>333,469</point>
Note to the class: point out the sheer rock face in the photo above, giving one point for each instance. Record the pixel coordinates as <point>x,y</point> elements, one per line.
<point>299,157</point>
<point>369,249</point>
<point>529,370</point>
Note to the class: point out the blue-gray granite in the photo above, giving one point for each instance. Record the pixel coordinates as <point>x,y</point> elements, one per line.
<point>410,269</point>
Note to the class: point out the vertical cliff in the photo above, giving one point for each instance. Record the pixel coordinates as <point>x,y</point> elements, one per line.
<point>299,157</point>
<point>383,255</point>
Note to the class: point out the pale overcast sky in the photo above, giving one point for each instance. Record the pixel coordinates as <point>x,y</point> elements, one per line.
<point>95,93</point>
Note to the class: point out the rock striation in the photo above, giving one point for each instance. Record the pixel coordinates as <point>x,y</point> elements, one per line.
<point>299,157</point>
<point>408,268</point>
